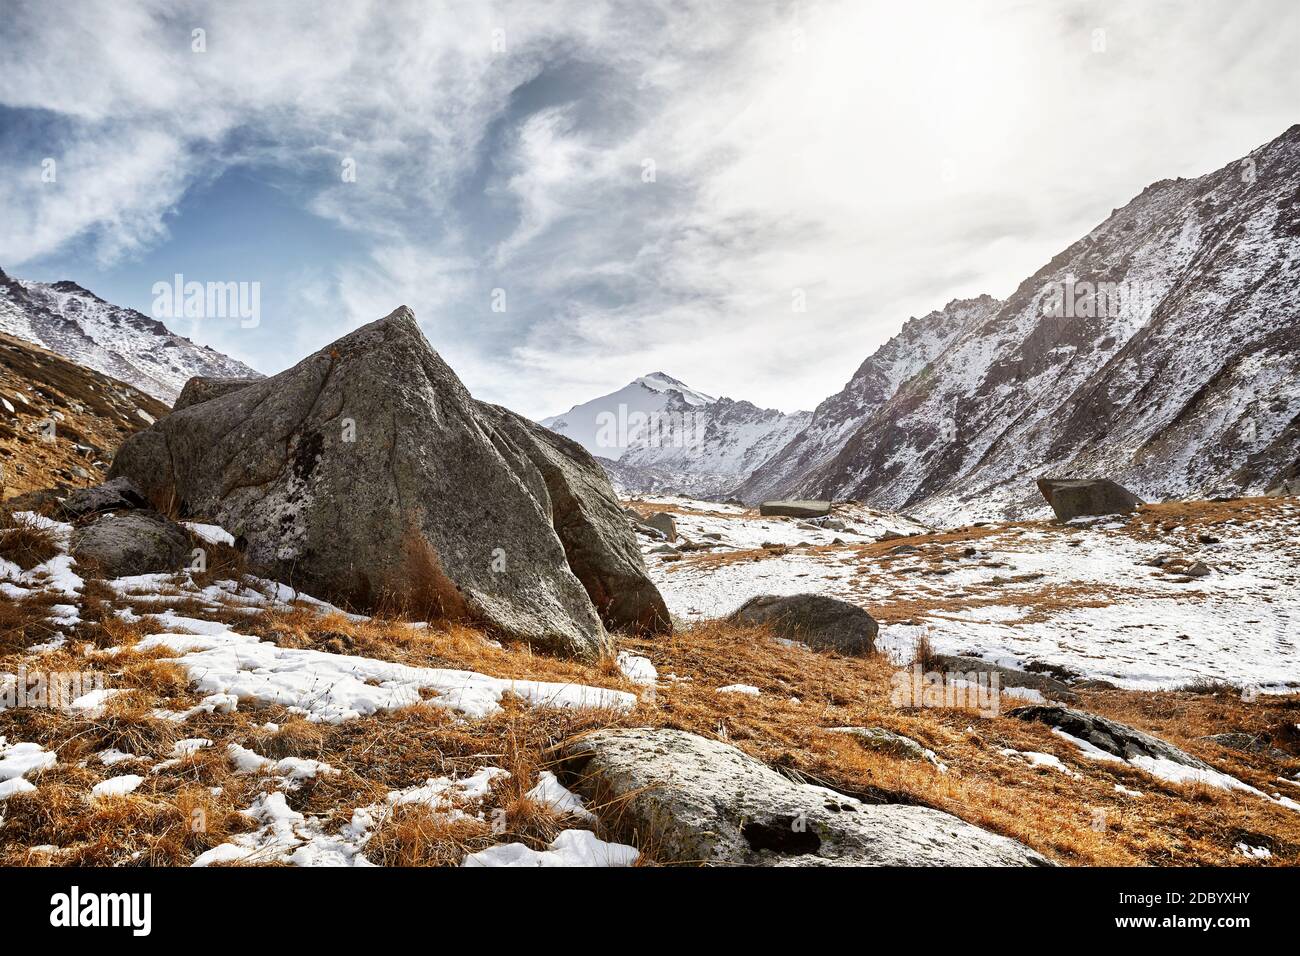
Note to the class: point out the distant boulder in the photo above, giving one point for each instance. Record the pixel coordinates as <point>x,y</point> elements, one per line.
<point>367,473</point>
<point>819,621</point>
<point>1082,497</point>
<point>664,522</point>
<point>136,542</point>
<point>795,509</point>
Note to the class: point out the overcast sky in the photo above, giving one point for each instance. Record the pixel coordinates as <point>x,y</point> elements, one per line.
<point>872,159</point>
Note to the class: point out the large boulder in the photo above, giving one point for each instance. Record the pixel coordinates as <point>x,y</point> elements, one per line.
<point>819,621</point>
<point>367,473</point>
<point>701,801</point>
<point>137,542</point>
<point>1083,497</point>
<point>796,509</point>
<point>1114,738</point>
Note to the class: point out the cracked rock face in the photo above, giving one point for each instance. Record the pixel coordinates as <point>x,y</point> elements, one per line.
<point>367,473</point>
<point>698,800</point>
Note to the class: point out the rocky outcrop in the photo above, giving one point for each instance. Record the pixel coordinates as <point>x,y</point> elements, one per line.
<point>1114,738</point>
<point>136,542</point>
<point>367,473</point>
<point>1007,676</point>
<point>702,801</point>
<point>1087,497</point>
<point>821,622</point>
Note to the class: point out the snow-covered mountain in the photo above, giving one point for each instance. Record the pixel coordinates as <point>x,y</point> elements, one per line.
<point>1162,349</point>
<point>836,419</point>
<point>657,434</point>
<point>123,343</point>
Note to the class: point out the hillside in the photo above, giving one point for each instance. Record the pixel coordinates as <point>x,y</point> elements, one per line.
<point>77,324</point>
<point>1158,350</point>
<point>60,423</point>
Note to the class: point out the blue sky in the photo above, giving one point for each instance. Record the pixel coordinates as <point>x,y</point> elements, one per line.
<point>873,159</point>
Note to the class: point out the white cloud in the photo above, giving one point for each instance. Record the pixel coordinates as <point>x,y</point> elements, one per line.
<point>881,157</point>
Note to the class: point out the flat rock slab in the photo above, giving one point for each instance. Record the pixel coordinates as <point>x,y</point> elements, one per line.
<point>1007,676</point>
<point>701,801</point>
<point>819,621</point>
<point>119,494</point>
<point>1084,497</point>
<point>1115,738</point>
<point>795,508</point>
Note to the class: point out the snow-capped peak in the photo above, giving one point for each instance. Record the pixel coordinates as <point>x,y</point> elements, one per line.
<point>663,382</point>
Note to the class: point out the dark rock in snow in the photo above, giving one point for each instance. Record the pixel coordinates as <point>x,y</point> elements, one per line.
<point>1081,497</point>
<point>663,522</point>
<point>813,619</point>
<point>795,509</point>
<point>1007,676</point>
<point>1108,735</point>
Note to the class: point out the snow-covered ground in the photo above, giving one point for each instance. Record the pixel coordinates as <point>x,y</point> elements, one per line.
<point>1086,597</point>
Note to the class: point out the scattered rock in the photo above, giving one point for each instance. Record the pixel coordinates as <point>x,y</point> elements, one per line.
<point>816,620</point>
<point>664,523</point>
<point>1007,676</point>
<point>664,549</point>
<point>1111,736</point>
<point>1248,743</point>
<point>886,741</point>
<point>1079,497</point>
<point>795,509</point>
<point>119,494</point>
<point>700,800</point>
<point>136,542</point>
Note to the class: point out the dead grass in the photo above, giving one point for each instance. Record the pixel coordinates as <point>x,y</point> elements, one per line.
<point>1075,821</point>
<point>24,541</point>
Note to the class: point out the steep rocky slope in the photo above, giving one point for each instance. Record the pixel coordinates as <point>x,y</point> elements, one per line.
<point>60,423</point>
<point>79,325</point>
<point>837,419</point>
<point>1160,350</point>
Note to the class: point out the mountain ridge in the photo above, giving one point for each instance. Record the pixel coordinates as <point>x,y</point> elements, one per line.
<point>79,325</point>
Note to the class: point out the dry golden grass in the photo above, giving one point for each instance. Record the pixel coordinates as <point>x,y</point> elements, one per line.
<point>1078,821</point>
<point>25,542</point>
